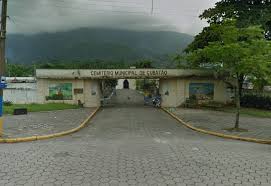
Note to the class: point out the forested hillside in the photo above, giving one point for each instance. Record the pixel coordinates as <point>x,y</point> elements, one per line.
<point>88,44</point>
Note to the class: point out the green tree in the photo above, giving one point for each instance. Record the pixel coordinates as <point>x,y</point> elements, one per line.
<point>16,70</point>
<point>208,34</point>
<point>259,83</point>
<point>180,62</point>
<point>143,64</point>
<point>96,64</point>
<point>246,12</point>
<point>241,53</point>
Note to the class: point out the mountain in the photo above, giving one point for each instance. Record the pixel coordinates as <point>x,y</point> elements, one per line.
<point>95,43</point>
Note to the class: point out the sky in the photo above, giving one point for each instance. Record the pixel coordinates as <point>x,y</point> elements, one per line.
<point>35,16</point>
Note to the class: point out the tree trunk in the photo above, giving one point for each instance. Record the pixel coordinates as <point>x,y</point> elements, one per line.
<point>238,105</point>
<point>241,81</point>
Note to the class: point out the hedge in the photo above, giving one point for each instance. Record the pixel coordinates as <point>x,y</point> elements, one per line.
<point>256,101</point>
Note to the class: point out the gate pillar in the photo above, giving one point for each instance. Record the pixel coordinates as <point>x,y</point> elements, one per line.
<point>172,92</point>
<point>92,93</point>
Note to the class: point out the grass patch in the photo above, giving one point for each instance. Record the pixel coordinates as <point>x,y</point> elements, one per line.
<point>247,111</point>
<point>39,107</point>
<point>255,112</point>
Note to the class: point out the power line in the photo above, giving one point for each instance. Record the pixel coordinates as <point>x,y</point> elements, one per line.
<point>106,5</point>
<point>152,6</point>
<point>87,10</point>
<point>64,6</point>
<point>112,1</point>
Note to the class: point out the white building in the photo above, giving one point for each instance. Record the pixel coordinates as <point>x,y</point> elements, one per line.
<point>175,85</point>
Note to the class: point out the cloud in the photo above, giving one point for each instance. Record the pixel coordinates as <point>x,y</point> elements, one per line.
<point>33,16</point>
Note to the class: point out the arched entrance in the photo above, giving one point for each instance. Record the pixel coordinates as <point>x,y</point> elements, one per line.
<point>125,84</point>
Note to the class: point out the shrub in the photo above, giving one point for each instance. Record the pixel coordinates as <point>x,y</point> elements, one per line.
<point>256,101</point>
<point>7,103</point>
<point>193,97</point>
<point>55,97</point>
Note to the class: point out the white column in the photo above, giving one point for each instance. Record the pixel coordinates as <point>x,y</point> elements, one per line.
<point>92,93</point>
<point>167,90</point>
<point>42,90</point>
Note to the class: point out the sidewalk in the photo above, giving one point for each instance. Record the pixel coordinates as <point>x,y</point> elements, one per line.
<point>44,123</point>
<point>216,121</point>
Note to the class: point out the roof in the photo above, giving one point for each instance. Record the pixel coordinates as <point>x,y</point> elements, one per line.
<point>120,73</point>
<point>20,79</point>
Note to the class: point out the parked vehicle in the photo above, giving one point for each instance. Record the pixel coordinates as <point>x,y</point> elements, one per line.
<point>156,101</point>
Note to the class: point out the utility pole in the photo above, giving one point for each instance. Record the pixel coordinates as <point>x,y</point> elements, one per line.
<point>152,7</point>
<point>2,55</point>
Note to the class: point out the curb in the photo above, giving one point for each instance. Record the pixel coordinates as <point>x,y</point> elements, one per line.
<point>254,140</point>
<point>44,137</point>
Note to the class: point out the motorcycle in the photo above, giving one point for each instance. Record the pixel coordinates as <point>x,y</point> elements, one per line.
<point>156,101</point>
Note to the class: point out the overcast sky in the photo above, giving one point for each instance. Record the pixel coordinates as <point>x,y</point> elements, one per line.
<point>33,16</point>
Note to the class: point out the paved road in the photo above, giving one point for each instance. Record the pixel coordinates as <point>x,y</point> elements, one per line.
<point>44,123</point>
<point>127,97</point>
<point>135,146</point>
<point>219,121</point>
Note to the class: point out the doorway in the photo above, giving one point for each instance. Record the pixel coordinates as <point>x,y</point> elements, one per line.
<point>125,84</point>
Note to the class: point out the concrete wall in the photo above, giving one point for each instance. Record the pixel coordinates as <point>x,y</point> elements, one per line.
<point>92,93</point>
<point>21,93</point>
<point>220,91</point>
<point>90,96</point>
<point>168,90</point>
<point>20,96</point>
<point>120,73</point>
<point>175,91</point>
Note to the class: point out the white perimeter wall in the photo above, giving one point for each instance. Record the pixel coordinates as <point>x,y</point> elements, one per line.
<point>21,93</point>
